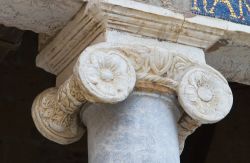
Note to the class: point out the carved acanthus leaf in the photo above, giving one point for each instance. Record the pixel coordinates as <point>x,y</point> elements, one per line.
<point>203,92</point>
<point>98,77</point>
<point>108,73</point>
<point>56,119</point>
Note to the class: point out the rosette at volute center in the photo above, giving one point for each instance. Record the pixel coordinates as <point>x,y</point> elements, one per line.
<point>106,74</point>
<point>205,94</point>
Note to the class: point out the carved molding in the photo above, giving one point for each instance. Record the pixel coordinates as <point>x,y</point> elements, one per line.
<point>163,3</point>
<point>108,72</point>
<point>56,119</point>
<point>202,91</point>
<point>221,39</point>
<point>98,77</point>
<point>105,76</point>
<point>205,95</point>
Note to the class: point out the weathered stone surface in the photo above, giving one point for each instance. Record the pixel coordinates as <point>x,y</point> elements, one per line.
<point>50,16</point>
<point>41,16</point>
<point>108,72</point>
<point>141,129</point>
<point>233,61</point>
<point>105,73</point>
<point>20,83</point>
<point>176,5</point>
<point>193,30</point>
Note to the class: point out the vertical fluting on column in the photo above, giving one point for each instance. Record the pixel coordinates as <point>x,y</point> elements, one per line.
<point>142,129</point>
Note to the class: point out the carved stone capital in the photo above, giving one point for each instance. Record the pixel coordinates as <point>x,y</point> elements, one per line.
<point>108,72</point>
<point>202,91</point>
<point>98,77</point>
<point>105,76</point>
<point>55,114</point>
<point>204,94</point>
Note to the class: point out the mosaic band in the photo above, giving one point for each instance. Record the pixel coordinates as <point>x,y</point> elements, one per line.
<point>232,10</point>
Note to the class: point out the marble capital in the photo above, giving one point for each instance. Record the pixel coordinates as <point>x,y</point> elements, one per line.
<point>109,72</point>
<point>112,49</point>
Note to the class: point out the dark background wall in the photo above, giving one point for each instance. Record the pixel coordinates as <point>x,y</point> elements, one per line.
<point>20,142</point>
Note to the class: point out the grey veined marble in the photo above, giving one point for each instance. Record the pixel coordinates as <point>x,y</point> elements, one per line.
<point>142,129</point>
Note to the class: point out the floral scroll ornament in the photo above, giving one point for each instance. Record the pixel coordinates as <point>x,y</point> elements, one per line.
<point>99,76</point>
<point>106,75</point>
<point>205,95</point>
<point>52,121</point>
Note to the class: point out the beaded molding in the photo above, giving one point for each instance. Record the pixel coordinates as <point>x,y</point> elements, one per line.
<point>109,72</point>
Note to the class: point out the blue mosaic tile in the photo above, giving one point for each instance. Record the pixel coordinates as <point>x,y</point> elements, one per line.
<point>237,11</point>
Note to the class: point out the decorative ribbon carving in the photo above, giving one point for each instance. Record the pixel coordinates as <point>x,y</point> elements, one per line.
<point>98,77</point>
<point>108,73</point>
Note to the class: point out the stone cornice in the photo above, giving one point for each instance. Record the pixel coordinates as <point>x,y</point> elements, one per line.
<point>138,19</point>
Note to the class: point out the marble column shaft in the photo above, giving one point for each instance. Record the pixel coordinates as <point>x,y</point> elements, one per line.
<point>141,129</point>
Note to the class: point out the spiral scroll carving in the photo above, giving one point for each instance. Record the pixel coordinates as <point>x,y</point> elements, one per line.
<point>108,73</point>
<point>204,95</point>
<point>106,76</point>
<point>98,77</point>
<point>57,120</point>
